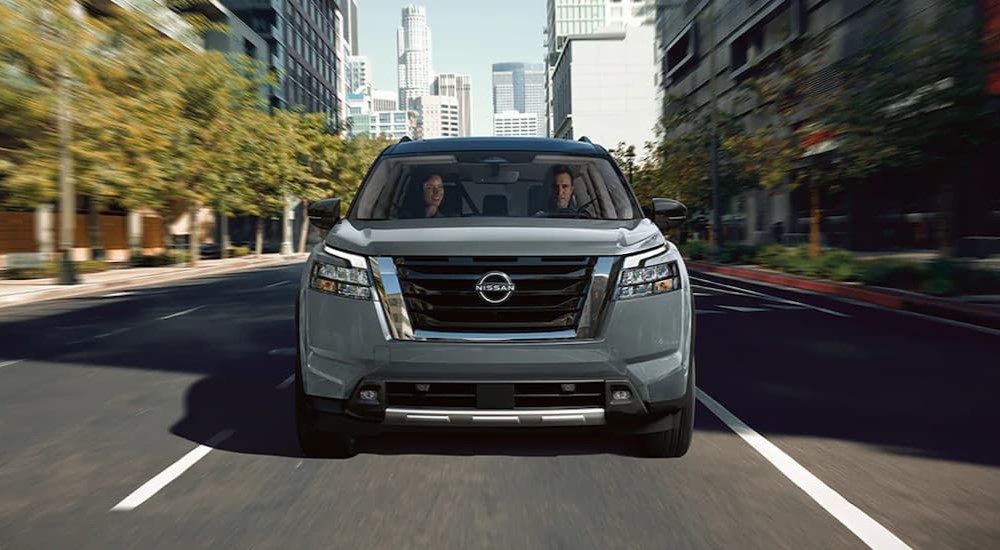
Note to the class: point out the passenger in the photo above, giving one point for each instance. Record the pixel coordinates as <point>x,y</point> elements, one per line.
<point>433,196</point>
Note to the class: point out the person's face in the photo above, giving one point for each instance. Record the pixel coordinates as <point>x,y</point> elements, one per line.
<point>433,191</point>
<point>562,190</point>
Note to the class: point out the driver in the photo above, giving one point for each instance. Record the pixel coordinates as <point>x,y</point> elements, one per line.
<point>560,187</point>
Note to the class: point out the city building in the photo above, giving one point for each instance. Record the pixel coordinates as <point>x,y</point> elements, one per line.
<point>520,87</point>
<point>603,88</point>
<point>565,18</point>
<point>357,71</point>
<point>458,86</point>
<point>385,100</point>
<point>437,116</point>
<point>305,41</point>
<point>742,37</point>
<point>513,123</point>
<point>389,124</point>
<point>413,45</point>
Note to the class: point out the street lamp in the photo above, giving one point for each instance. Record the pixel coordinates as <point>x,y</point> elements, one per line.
<point>710,20</point>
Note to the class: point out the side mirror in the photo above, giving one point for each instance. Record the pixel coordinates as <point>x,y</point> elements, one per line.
<point>324,214</point>
<point>668,213</point>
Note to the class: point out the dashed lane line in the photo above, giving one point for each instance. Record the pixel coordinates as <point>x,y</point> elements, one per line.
<point>164,478</point>
<point>179,313</point>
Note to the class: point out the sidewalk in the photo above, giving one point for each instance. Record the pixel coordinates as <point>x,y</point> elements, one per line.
<point>17,292</point>
<point>979,310</point>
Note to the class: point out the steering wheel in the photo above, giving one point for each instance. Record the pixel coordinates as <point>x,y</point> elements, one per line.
<point>587,205</point>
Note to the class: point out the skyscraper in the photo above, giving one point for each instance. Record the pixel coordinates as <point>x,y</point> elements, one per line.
<point>304,39</point>
<point>413,45</point>
<point>520,88</point>
<point>458,86</point>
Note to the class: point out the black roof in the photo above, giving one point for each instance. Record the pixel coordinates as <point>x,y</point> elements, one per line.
<point>449,145</point>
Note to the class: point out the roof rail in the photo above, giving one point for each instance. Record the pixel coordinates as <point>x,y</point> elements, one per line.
<point>586,139</point>
<point>404,139</point>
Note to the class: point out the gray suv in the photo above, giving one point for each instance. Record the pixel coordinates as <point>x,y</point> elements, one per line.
<point>495,283</point>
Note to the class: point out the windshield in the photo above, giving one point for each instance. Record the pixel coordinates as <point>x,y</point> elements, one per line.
<point>494,184</point>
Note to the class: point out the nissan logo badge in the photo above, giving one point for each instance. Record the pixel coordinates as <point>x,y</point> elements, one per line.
<point>495,287</point>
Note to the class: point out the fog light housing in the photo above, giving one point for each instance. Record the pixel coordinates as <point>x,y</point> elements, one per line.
<point>369,395</point>
<point>621,395</point>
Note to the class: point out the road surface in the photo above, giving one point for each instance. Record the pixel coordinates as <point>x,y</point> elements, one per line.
<point>162,418</point>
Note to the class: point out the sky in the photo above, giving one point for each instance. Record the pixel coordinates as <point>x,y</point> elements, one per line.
<point>468,37</point>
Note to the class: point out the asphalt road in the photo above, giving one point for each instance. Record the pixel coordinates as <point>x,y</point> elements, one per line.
<point>101,397</point>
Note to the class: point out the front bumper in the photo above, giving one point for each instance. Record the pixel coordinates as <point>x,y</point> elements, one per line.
<point>358,418</point>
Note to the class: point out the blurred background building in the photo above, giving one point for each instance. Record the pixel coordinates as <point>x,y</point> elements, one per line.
<point>458,86</point>
<point>518,88</point>
<point>893,209</point>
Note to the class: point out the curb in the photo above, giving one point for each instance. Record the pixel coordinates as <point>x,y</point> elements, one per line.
<point>884,297</point>
<point>86,289</point>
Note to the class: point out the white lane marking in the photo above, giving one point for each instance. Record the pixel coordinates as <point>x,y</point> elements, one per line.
<point>118,294</point>
<point>743,309</point>
<point>285,383</point>
<point>703,294</point>
<point>10,363</point>
<point>162,479</point>
<point>179,313</point>
<point>867,529</point>
<point>112,333</point>
<point>284,352</point>
<point>774,298</point>
<point>279,283</point>
<point>101,336</point>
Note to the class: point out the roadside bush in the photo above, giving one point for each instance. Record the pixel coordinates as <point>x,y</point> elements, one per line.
<point>737,253</point>
<point>170,257</point>
<point>51,269</point>
<point>772,255</point>
<point>836,264</point>
<point>238,251</point>
<point>693,250</point>
<point>893,273</point>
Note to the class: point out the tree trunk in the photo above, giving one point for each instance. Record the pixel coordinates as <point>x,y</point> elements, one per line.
<point>194,236</point>
<point>304,232</point>
<point>224,238</point>
<point>815,219</point>
<point>260,236</point>
<point>94,229</point>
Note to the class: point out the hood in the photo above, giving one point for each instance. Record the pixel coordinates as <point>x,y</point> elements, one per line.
<point>497,237</point>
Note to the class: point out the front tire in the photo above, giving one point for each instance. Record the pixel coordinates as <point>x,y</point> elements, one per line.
<point>674,443</point>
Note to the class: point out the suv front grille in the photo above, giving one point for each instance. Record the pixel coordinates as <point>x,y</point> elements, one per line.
<point>440,293</point>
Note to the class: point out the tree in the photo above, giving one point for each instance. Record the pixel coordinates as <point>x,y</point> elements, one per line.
<point>916,99</point>
<point>677,163</point>
<point>786,112</point>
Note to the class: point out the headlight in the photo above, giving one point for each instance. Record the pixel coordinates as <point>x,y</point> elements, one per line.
<point>342,280</point>
<point>655,276</point>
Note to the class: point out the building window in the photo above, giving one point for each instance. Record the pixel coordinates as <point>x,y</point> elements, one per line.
<point>767,33</point>
<point>680,52</point>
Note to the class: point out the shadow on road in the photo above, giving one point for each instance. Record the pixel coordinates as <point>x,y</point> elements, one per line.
<point>900,384</point>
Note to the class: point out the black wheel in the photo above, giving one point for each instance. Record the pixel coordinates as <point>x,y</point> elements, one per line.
<point>671,443</point>
<point>315,443</point>
<point>674,443</point>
